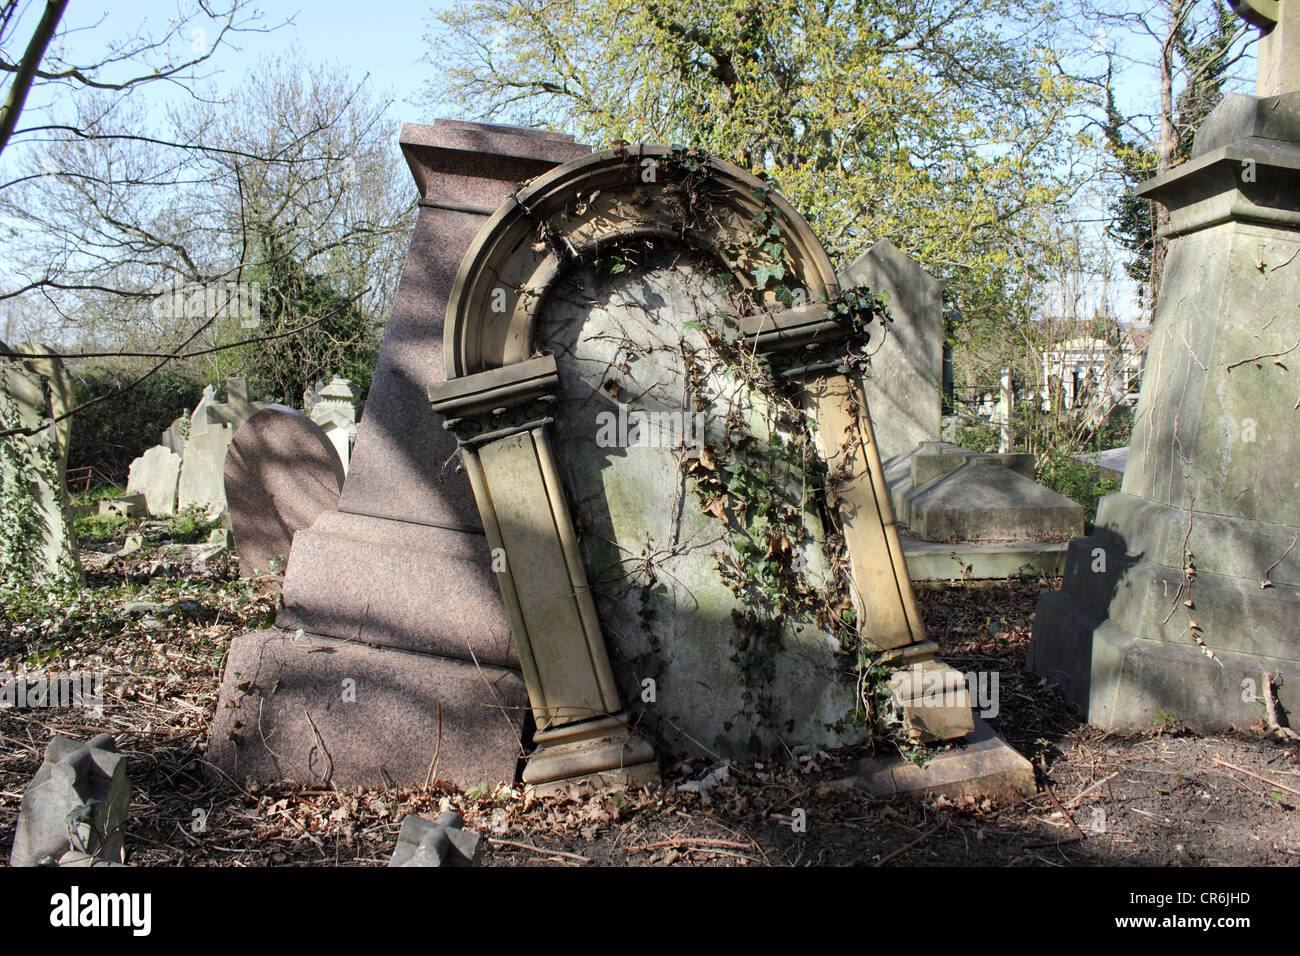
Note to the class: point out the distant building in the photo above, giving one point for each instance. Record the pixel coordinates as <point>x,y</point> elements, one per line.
<point>1093,370</point>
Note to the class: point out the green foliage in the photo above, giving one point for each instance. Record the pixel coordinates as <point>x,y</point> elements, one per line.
<point>1077,480</point>
<point>109,435</point>
<point>292,297</point>
<point>28,464</point>
<point>943,126</point>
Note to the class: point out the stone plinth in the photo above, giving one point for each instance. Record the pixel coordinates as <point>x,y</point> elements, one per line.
<point>317,710</point>
<point>904,385</point>
<point>281,474</point>
<point>945,493</point>
<point>1197,553</point>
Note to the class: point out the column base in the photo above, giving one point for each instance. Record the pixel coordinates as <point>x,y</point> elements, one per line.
<point>593,755</point>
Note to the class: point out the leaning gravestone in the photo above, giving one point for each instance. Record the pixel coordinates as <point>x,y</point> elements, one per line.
<point>281,474</point>
<point>1188,591</point>
<point>156,474</point>
<point>38,545</point>
<point>623,343</point>
<point>203,459</point>
<point>404,585</point>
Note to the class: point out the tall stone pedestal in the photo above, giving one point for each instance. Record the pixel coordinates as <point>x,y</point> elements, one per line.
<point>398,582</point>
<point>1189,589</point>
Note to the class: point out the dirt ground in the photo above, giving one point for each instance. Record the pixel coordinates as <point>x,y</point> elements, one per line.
<point>1162,798</point>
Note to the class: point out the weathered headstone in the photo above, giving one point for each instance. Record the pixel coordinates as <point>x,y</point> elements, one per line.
<point>203,464</point>
<point>281,474</point>
<point>75,806</point>
<point>507,399</point>
<point>904,383</point>
<point>38,545</point>
<point>624,476</point>
<point>156,475</point>
<point>1189,589</point>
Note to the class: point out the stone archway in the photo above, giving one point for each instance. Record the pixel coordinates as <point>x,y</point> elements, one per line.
<point>500,397</point>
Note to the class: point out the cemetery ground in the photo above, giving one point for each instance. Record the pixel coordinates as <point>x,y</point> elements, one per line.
<point>157,625</point>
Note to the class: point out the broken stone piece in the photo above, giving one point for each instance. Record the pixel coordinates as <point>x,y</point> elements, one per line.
<point>442,842</point>
<point>934,700</point>
<point>78,801</point>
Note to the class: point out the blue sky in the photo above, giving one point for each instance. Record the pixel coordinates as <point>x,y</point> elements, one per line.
<point>382,38</point>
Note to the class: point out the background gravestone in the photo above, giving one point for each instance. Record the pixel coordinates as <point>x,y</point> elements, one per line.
<point>39,546</point>
<point>156,474</point>
<point>281,473</point>
<point>904,384</point>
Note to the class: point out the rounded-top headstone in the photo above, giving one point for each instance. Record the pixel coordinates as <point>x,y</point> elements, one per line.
<point>281,473</point>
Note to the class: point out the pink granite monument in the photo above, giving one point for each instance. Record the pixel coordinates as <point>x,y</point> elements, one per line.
<point>405,653</point>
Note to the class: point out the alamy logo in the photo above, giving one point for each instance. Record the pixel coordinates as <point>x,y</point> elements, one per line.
<point>637,429</point>
<point>74,909</point>
<point>53,692</point>
<point>945,688</point>
<point>201,300</point>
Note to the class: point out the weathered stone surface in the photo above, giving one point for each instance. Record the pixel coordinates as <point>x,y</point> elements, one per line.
<point>945,493</point>
<point>32,474</point>
<point>934,701</point>
<point>627,491</point>
<point>904,385</point>
<point>127,506</point>
<point>983,765</point>
<point>281,474</point>
<point>202,482</point>
<point>441,842</point>
<point>156,475</point>
<point>942,560</point>
<point>365,592</point>
<point>316,710</point>
<point>1211,488</point>
<point>79,800</point>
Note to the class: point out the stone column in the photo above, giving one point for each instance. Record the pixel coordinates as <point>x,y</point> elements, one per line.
<point>1189,589</point>
<point>807,346</point>
<point>500,418</point>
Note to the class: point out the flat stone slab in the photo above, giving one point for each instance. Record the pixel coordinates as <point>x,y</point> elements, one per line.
<point>281,473</point>
<point>1112,461</point>
<point>941,561</point>
<point>319,710</point>
<point>984,765</point>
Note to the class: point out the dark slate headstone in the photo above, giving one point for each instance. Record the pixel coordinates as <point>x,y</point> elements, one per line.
<point>281,474</point>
